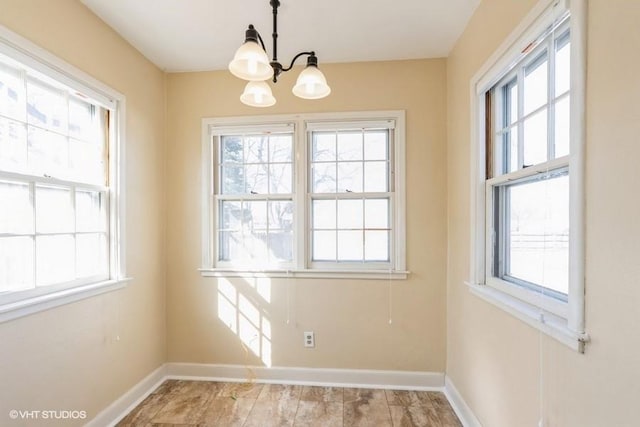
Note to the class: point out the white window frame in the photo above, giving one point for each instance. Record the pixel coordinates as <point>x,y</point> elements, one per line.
<point>562,321</point>
<point>302,266</point>
<point>21,303</point>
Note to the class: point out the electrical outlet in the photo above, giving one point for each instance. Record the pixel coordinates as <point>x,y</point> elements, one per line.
<point>309,339</point>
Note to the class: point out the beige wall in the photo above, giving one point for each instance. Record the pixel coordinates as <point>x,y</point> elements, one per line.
<point>68,358</point>
<point>500,365</point>
<point>350,318</point>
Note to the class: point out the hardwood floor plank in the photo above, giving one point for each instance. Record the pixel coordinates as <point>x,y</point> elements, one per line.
<point>353,394</point>
<point>145,411</point>
<point>280,392</point>
<point>182,409</point>
<point>322,394</point>
<point>367,413</point>
<point>272,413</point>
<point>414,416</point>
<point>247,390</point>
<point>319,414</point>
<point>226,411</point>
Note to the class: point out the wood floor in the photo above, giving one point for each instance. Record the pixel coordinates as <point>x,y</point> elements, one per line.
<point>204,403</point>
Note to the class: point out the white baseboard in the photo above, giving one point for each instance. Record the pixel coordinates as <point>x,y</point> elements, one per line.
<point>462,410</point>
<point>398,380</point>
<point>129,400</point>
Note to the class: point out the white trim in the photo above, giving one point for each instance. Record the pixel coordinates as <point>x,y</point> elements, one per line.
<point>37,58</point>
<point>23,50</point>
<point>355,125</point>
<point>33,305</point>
<point>307,274</point>
<point>396,380</point>
<point>569,330</point>
<point>552,325</point>
<point>577,141</point>
<point>117,410</point>
<point>300,122</point>
<point>460,407</point>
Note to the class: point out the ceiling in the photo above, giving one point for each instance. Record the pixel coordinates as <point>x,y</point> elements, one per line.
<point>197,35</point>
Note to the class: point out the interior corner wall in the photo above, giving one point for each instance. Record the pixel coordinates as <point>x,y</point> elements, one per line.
<point>350,317</point>
<point>70,357</point>
<point>506,371</point>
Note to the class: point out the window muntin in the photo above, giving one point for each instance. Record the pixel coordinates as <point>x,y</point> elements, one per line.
<point>350,196</point>
<point>350,148</point>
<point>254,198</point>
<point>54,180</point>
<point>527,190</point>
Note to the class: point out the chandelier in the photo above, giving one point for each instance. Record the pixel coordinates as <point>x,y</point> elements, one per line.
<point>252,63</point>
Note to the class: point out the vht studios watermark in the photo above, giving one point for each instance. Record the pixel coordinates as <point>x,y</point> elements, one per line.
<point>16,414</point>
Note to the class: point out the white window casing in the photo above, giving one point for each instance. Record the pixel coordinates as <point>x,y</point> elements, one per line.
<point>561,320</point>
<point>57,73</point>
<point>303,125</point>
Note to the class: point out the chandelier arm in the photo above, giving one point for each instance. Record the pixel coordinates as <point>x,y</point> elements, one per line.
<point>295,58</point>
<point>261,42</point>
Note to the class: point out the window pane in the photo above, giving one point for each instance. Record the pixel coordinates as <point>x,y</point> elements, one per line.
<point>350,175</point>
<point>46,106</point>
<point>230,245</point>
<point>535,138</point>
<point>324,245</point>
<point>256,179</point>
<point>538,233</point>
<point>16,213</point>
<point>323,146</point>
<point>231,149</point>
<point>54,213</point>
<point>511,137</point>
<point>91,255</point>
<point>280,246</point>
<point>324,177</point>
<point>324,214</point>
<point>376,246</point>
<point>12,99</point>
<point>83,123</point>
<point>562,71</point>
<point>376,213</point>
<point>350,214</point>
<point>280,215</point>
<point>232,178</point>
<point>375,145</point>
<point>376,178</point>
<point>88,161</point>
<point>511,109</point>
<point>280,148</point>
<point>48,153</point>
<point>55,259</point>
<point>350,146</point>
<point>230,215</point>
<point>91,211</point>
<point>535,84</point>
<point>13,146</point>
<point>255,215</point>
<point>16,263</point>
<point>256,149</point>
<point>280,178</point>
<point>562,127</point>
<point>350,245</point>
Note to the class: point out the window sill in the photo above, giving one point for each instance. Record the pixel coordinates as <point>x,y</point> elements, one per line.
<point>554,326</point>
<point>307,274</point>
<point>25,307</point>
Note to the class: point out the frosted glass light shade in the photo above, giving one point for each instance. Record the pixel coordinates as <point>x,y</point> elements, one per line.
<point>257,94</point>
<point>251,63</point>
<point>311,84</point>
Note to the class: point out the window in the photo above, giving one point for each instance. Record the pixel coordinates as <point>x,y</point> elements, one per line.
<point>309,195</point>
<point>528,184</point>
<point>59,218</point>
<point>528,247</point>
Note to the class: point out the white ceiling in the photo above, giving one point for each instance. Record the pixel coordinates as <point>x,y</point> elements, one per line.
<point>195,35</point>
